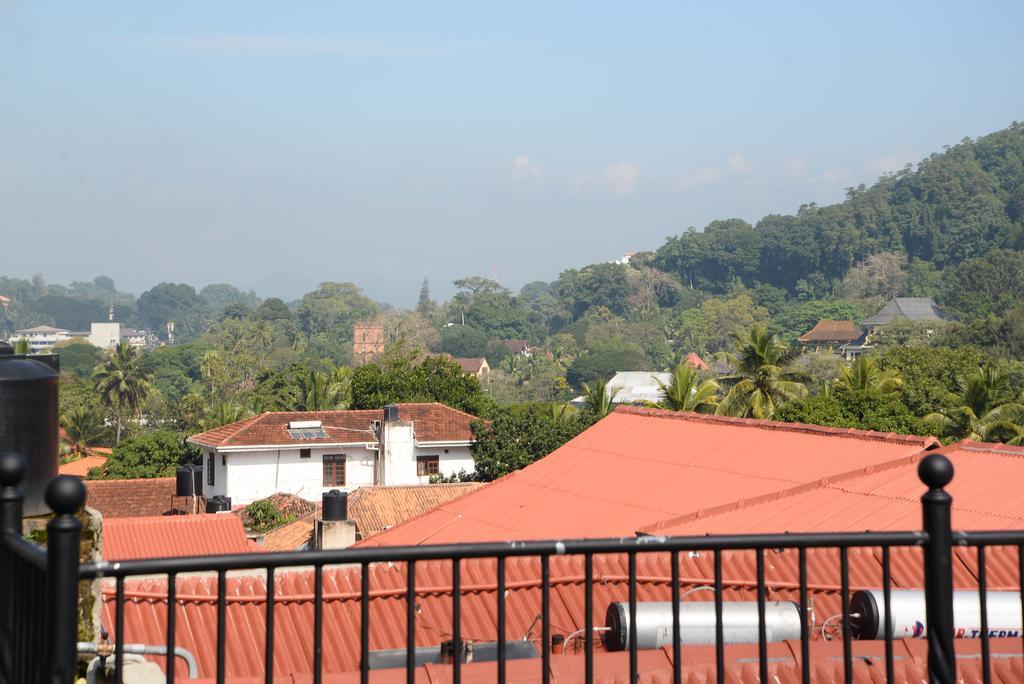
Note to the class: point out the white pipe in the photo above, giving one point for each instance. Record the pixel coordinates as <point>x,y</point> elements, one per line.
<point>147,649</point>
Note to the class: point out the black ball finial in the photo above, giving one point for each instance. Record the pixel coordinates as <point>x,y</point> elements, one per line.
<point>65,495</point>
<point>12,468</point>
<point>935,470</point>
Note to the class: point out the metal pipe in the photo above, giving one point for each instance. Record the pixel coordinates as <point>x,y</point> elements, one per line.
<point>106,650</point>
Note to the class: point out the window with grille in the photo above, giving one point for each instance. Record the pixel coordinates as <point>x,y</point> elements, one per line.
<point>427,465</point>
<point>334,470</point>
<point>210,463</point>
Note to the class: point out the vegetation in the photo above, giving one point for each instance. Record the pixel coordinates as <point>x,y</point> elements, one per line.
<point>951,228</point>
<point>263,516</point>
<point>151,454</point>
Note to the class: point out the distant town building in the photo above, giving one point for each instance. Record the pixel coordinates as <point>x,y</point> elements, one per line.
<point>831,335</point>
<point>312,452</point>
<point>41,338</point>
<point>917,309</point>
<point>367,342</point>
<point>520,347</point>
<point>4,302</point>
<point>107,335</point>
<point>478,367</point>
<point>624,259</point>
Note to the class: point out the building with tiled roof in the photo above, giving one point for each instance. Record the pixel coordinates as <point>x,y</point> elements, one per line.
<point>172,536</point>
<point>129,498</point>
<point>478,367</point>
<point>917,309</point>
<point>307,453</point>
<point>373,510</point>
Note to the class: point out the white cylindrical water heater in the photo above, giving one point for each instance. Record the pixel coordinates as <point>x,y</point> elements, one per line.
<point>867,614</point>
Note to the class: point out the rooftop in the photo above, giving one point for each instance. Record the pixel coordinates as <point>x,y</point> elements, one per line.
<point>40,329</point>
<point>832,331</point>
<point>171,536</point>
<point>638,467</point>
<point>912,308</point>
<point>431,422</point>
<point>80,466</point>
<point>132,498</point>
<point>470,365</point>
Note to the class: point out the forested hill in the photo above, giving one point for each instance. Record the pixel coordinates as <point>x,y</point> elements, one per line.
<point>957,204</point>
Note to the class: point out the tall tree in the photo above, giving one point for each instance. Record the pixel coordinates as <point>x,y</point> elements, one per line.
<point>122,383</point>
<point>764,375</point>
<point>865,374</point>
<point>600,400</point>
<point>984,409</point>
<point>84,428</point>
<point>425,306</point>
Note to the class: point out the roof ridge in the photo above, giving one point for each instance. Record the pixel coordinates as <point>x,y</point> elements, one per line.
<point>778,425</point>
<point>750,502</point>
<point>982,447</point>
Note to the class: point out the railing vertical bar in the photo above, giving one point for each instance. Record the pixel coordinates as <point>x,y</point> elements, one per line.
<point>677,655</point>
<point>805,640</point>
<point>410,623</point>
<point>986,669</point>
<point>268,645</point>
<point>719,628</point>
<point>588,616</point>
<point>890,666</point>
<point>633,660</point>
<point>762,627</point>
<point>318,623</point>
<point>545,617</point>
<point>222,621</point>
<point>1020,581</point>
<point>119,631</point>
<point>844,606</point>
<point>172,609</point>
<point>457,620</point>
<point>364,623</point>
<point>501,620</point>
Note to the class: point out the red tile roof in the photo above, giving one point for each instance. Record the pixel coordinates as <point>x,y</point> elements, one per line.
<point>431,422</point>
<point>884,498</point>
<point>374,509</point>
<point>470,365</point>
<point>640,466</point>
<point>170,536</point>
<point>696,362</point>
<point>832,331</point>
<point>130,498</point>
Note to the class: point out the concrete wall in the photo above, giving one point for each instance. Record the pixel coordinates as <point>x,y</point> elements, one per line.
<point>105,335</point>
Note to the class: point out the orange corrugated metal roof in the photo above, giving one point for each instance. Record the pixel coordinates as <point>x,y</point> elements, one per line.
<point>145,608</point>
<point>432,422</point>
<point>175,535</point>
<point>640,466</point>
<point>886,499</point>
<point>80,467</point>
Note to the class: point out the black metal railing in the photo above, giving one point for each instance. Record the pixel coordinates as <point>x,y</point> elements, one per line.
<point>49,653</point>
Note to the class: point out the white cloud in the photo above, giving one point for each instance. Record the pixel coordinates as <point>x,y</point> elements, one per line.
<point>734,166</point>
<point>525,170</point>
<point>619,178</point>
<point>893,162</point>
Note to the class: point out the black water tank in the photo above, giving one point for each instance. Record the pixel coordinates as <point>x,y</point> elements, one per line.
<point>28,420</point>
<point>335,505</point>
<point>197,479</point>
<point>184,482</point>
<point>390,413</point>
<point>217,504</point>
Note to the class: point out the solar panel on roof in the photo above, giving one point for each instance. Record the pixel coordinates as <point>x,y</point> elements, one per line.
<point>308,433</point>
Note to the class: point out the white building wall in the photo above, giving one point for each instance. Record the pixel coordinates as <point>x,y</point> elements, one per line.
<point>253,475</point>
<point>105,335</point>
<point>450,460</point>
<point>399,461</point>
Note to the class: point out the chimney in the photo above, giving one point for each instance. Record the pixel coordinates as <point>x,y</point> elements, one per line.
<point>333,529</point>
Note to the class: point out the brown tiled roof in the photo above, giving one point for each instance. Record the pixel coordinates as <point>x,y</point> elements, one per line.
<point>373,509</point>
<point>832,331</point>
<point>132,498</point>
<point>432,423</point>
<point>469,365</point>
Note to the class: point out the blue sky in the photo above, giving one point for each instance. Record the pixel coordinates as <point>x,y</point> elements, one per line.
<point>277,145</point>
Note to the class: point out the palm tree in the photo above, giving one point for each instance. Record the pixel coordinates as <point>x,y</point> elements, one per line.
<point>983,410</point>
<point>764,375</point>
<point>84,428</point>
<point>599,399</point>
<point>321,391</point>
<point>21,346</point>
<point>864,374</point>
<point>558,413</point>
<point>122,383</point>
<point>687,391</point>
<point>223,413</point>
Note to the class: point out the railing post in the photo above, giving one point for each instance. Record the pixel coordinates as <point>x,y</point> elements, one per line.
<point>936,471</point>
<point>12,472</point>
<point>66,496</point>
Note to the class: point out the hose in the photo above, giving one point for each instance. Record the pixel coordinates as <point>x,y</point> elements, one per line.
<point>141,649</point>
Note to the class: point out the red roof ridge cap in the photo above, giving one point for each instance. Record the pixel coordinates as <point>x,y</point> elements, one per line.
<point>774,425</point>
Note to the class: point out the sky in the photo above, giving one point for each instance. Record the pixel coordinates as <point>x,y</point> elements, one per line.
<point>277,145</point>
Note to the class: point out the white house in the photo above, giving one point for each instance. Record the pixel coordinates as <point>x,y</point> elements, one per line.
<point>632,387</point>
<point>109,334</point>
<point>312,452</point>
<point>41,338</point>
